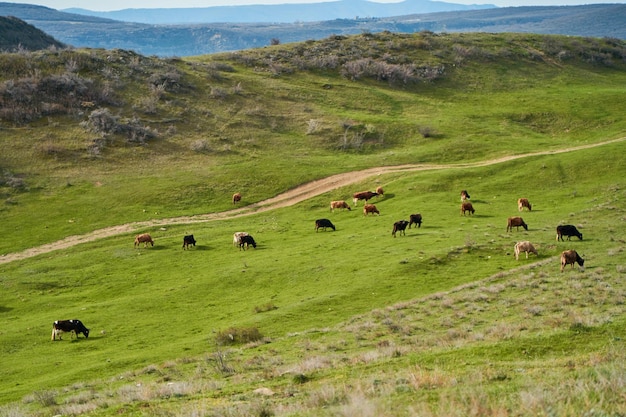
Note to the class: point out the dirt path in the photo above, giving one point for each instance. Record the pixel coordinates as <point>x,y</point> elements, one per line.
<point>288,198</point>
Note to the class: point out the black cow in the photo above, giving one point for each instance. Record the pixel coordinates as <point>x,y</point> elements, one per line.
<point>415,219</point>
<point>569,231</point>
<point>399,226</point>
<point>68,326</point>
<point>188,240</point>
<point>246,241</point>
<point>323,224</point>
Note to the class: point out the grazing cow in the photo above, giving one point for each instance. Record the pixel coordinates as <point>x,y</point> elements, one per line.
<point>399,226</point>
<point>467,206</point>
<point>380,191</point>
<point>363,195</point>
<point>236,198</point>
<point>370,208</point>
<point>569,231</point>
<point>188,240</point>
<point>237,237</point>
<point>246,241</point>
<point>323,224</point>
<point>339,204</point>
<point>523,202</point>
<point>415,219</point>
<point>68,326</point>
<point>144,238</point>
<point>515,222</point>
<point>464,195</point>
<point>524,246</point>
<point>570,257</point>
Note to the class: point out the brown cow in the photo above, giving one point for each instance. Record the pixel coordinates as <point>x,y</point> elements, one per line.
<point>464,195</point>
<point>399,226</point>
<point>523,202</point>
<point>570,257</point>
<point>380,191</point>
<point>515,222</point>
<point>144,238</point>
<point>339,204</point>
<point>363,195</point>
<point>370,208</point>
<point>415,219</point>
<point>467,206</point>
<point>236,198</point>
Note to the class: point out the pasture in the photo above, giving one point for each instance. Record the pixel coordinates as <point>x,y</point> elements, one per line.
<point>351,322</point>
<point>149,307</point>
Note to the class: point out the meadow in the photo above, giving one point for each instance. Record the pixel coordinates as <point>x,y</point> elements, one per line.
<point>442,321</point>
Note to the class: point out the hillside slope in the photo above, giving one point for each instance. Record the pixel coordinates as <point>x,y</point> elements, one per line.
<point>16,34</point>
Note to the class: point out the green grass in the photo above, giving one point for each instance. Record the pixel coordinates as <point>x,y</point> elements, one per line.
<point>161,304</point>
<point>442,321</point>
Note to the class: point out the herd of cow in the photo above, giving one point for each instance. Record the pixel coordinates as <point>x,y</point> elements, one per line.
<point>243,240</point>
<point>568,257</point>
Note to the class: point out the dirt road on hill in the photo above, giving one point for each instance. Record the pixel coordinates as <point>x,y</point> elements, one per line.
<point>288,198</point>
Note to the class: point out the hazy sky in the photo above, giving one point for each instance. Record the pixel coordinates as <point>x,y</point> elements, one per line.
<point>107,5</point>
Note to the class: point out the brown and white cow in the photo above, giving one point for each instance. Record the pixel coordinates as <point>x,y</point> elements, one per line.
<point>340,204</point>
<point>68,326</point>
<point>523,202</point>
<point>363,195</point>
<point>237,237</point>
<point>464,195</point>
<point>524,246</point>
<point>144,238</point>
<point>515,222</point>
<point>370,208</point>
<point>380,191</point>
<point>467,206</point>
<point>236,198</point>
<point>570,257</point>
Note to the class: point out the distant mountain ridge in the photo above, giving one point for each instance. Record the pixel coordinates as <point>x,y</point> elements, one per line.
<point>278,13</point>
<point>597,20</point>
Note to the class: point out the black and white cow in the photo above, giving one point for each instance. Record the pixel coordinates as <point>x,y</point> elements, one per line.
<point>68,326</point>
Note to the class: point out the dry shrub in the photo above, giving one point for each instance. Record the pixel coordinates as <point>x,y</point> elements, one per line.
<point>265,307</point>
<point>236,335</point>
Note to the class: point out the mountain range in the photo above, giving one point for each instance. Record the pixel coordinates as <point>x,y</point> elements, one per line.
<point>278,13</point>
<point>78,30</point>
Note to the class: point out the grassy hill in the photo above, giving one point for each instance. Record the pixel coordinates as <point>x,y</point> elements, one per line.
<point>16,34</point>
<point>442,321</point>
